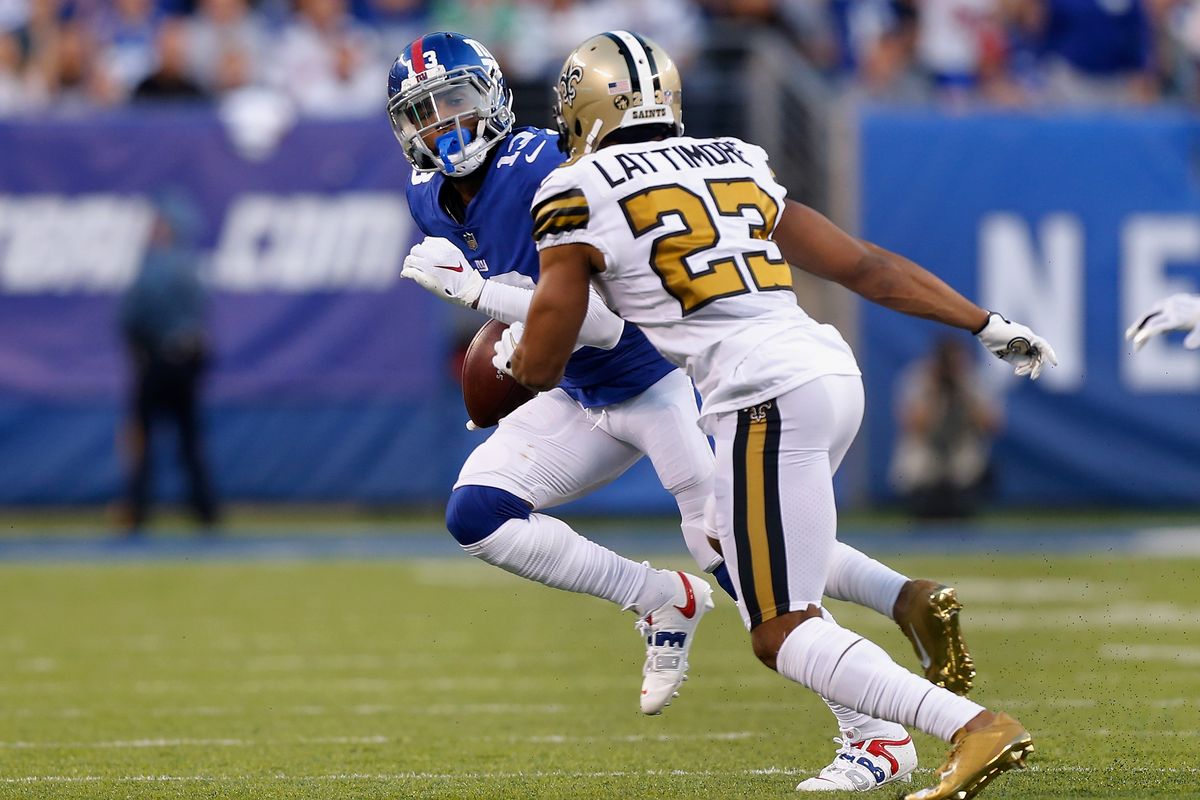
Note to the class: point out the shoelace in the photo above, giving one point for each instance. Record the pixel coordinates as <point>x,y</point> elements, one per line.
<point>846,746</point>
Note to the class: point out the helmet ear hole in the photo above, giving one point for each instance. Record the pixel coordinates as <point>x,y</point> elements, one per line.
<point>578,128</point>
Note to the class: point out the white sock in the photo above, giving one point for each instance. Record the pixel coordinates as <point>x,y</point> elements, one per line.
<point>547,550</point>
<point>850,670</point>
<point>856,725</point>
<point>692,502</point>
<point>860,579</point>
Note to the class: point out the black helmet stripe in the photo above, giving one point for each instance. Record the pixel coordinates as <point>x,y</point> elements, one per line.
<point>635,81</point>
<point>650,63</point>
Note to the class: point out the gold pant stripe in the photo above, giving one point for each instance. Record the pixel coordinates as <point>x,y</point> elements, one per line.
<point>756,520</point>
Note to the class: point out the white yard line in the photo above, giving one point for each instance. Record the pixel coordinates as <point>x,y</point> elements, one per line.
<point>351,777</point>
<point>566,739</point>
<point>124,744</point>
<point>121,744</point>
<point>1083,617</point>
<point>1055,702</point>
<point>1027,591</point>
<point>1169,542</point>
<point>360,709</point>
<point>1176,702</point>
<point>730,736</point>
<point>1151,652</point>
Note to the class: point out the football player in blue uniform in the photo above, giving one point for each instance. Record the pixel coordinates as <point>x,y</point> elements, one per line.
<point>474,179</point>
<point>474,176</point>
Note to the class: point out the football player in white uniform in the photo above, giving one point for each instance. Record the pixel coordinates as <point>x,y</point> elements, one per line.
<point>690,239</point>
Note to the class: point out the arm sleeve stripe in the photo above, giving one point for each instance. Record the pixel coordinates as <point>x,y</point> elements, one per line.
<point>569,194</point>
<point>566,211</point>
<point>560,222</point>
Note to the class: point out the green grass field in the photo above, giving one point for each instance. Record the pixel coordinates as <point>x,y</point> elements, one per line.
<point>450,679</point>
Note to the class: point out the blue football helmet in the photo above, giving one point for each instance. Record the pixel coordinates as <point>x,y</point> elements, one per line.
<point>448,103</point>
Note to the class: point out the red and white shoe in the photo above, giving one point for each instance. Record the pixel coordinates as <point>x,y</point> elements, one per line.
<point>668,631</point>
<point>862,765</point>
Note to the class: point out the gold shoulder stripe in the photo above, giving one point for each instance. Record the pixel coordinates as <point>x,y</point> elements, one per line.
<point>569,197</point>
<point>565,211</point>
<point>560,222</point>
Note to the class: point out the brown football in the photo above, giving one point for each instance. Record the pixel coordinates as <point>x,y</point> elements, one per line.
<point>488,393</point>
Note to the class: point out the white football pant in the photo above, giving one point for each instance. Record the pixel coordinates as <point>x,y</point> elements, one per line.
<point>551,451</point>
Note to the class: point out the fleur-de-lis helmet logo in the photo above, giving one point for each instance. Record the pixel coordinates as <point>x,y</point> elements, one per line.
<point>567,82</point>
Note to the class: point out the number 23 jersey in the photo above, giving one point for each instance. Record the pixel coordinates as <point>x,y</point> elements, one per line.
<point>684,227</point>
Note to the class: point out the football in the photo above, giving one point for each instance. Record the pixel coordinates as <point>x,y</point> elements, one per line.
<point>488,393</point>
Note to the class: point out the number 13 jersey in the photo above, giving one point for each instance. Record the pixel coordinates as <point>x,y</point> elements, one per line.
<point>684,227</point>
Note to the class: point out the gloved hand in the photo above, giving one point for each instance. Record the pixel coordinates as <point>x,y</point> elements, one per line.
<point>505,346</point>
<point>1016,344</point>
<point>1179,312</point>
<point>440,267</point>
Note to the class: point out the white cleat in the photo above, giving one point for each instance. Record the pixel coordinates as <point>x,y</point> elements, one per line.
<point>668,631</point>
<point>866,764</point>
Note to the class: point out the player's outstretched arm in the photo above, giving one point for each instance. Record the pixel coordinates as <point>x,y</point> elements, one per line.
<point>814,244</point>
<point>811,242</point>
<point>436,264</point>
<point>601,327</point>
<point>1179,312</point>
<point>555,316</point>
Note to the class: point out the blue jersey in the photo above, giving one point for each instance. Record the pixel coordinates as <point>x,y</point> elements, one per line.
<point>497,237</point>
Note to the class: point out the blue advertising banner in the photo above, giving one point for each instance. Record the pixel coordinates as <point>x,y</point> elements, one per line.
<point>1073,225</point>
<point>323,363</point>
<point>332,378</point>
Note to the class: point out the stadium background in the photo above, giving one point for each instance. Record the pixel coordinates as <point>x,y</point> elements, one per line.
<point>1048,173</point>
<point>333,380</point>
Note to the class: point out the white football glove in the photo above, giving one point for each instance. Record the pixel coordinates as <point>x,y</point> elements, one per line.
<point>505,346</point>
<point>1179,312</point>
<point>440,267</point>
<point>1016,344</point>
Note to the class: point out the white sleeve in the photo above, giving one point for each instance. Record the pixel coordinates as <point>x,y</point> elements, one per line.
<point>601,327</point>
<point>561,214</point>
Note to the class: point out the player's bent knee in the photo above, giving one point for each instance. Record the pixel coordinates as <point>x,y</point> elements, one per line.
<point>475,512</point>
<point>767,637</point>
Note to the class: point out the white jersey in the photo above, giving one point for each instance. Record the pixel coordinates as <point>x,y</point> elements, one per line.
<point>684,226</point>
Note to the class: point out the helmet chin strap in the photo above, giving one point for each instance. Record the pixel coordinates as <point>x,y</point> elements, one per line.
<point>590,141</point>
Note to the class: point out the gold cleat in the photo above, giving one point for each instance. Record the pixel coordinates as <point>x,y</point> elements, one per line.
<point>977,757</point>
<point>927,612</point>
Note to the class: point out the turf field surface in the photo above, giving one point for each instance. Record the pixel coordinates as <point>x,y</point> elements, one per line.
<point>445,678</point>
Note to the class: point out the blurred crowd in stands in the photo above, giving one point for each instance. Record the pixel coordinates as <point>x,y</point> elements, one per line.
<point>330,57</point>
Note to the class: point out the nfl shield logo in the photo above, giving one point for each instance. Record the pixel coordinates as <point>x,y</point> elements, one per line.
<point>469,238</point>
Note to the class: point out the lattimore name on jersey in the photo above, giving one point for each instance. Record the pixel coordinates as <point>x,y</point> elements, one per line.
<point>672,158</point>
<point>684,226</point>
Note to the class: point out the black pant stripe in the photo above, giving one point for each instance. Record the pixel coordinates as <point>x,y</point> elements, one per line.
<point>741,534</point>
<point>776,545</point>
